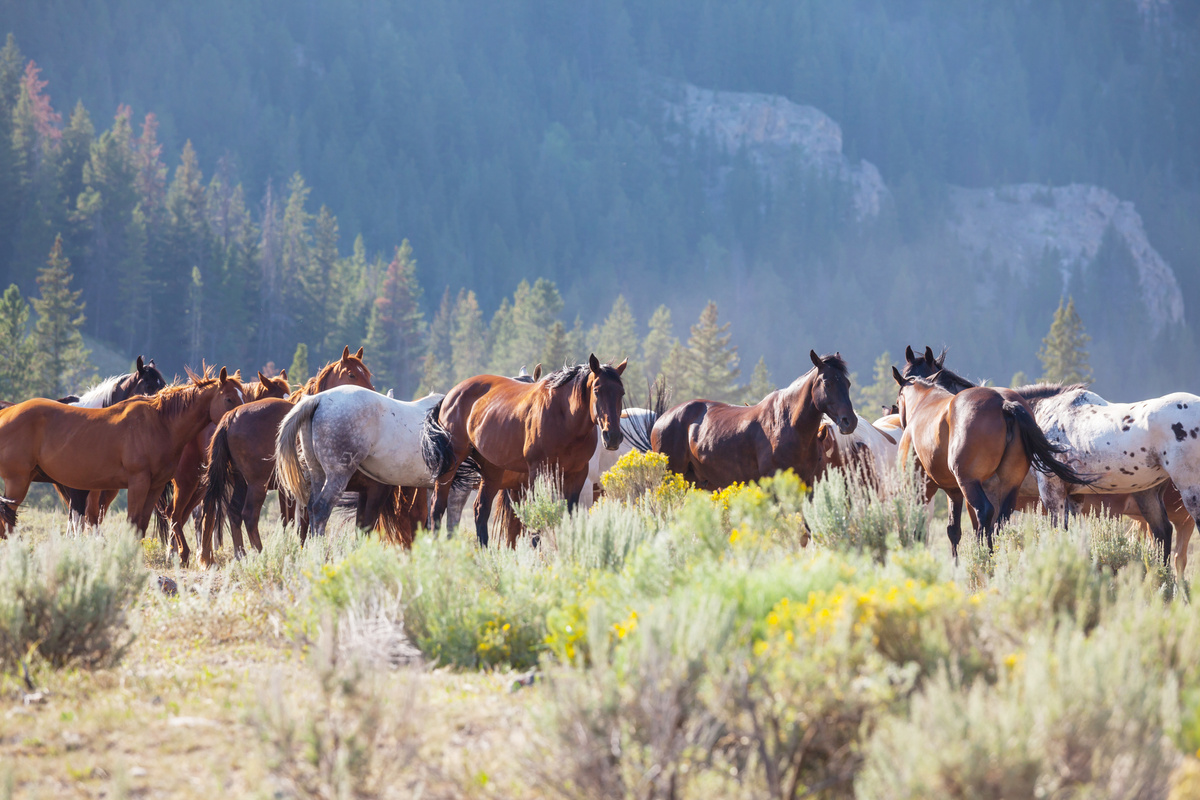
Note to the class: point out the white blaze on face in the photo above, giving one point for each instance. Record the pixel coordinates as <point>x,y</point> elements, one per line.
<point>241,397</point>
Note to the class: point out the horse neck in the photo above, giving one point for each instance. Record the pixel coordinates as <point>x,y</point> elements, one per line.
<point>799,406</point>
<point>123,389</point>
<point>577,405</point>
<point>191,420</point>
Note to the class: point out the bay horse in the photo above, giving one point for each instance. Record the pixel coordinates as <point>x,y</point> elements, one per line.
<point>714,445</point>
<point>976,445</point>
<point>1128,449</point>
<point>515,430</point>
<point>133,445</point>
<point>185,485</point>
<point>347,429</point>
<point>241,458</point>
<point>88,508</point>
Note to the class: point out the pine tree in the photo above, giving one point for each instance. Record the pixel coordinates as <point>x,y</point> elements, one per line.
<point>1064,353</point>
<point>10,182</point>
<point>555,354</point>
<point>658,343</point>
<point>395,329</point>
<point>298,371</point>
<point>711,370</point>
<point>881,393</point>
<point>618,340</point>
<point>760,383</point>
<point>61,358</point>
<point>436,370</point>
<point>468,339</point>
<point>1019,379</point>
<point>16,348</point>
<point>195,313</point>
<point>520,331</point>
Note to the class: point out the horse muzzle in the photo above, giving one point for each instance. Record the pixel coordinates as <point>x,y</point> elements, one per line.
<point>846,425</point>
<point>612,440</point>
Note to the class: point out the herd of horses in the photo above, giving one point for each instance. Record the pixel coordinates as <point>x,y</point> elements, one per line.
<point>213,446</point>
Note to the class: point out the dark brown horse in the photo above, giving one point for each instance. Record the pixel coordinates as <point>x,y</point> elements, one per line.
<point>134,445</point>
<point>515,430</point>
<point>241,457</point>
<point>185,486</point>
<point>978,444</point>
<point>714,445</point>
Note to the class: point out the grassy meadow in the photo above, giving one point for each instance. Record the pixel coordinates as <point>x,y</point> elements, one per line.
<point>670,643</point>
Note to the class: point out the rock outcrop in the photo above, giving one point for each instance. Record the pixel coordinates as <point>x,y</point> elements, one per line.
<point>774,133</point>
<point>1017,225</point>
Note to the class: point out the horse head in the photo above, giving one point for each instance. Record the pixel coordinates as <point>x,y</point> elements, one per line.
<point>831,391</point>
<point>227,395</point>
<point>147,380</point>
<point>607,395</point>
<point>272,387</point>
<point>349,370</point>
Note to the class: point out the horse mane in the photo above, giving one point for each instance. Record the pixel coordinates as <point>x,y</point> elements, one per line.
<point>173,400</point>
<point>100,395</point>
<point>951,381</point>
<point>562,377</point>
<point>1043,391</point>
<point>833,361</point>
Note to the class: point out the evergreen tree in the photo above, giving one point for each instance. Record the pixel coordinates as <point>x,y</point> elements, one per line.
<point>436,370</point>
<point>523,339</point>
<point>394,332</point>
<point>10,183</point>
<point>1064,353</point>
<point>468,339</point>
<point>185,242</point>
<point>16,349</point>
<point>760,384</point>
<point>298,371</point>
<point>675,374</point>
<point>195,315</point>
<point>711,369</point>
<point>1019,379</point>
<point>61,358</point>
<point>658,343</point>
<point>617,340</point>
<point>555,355</point>
<point>872,398</point>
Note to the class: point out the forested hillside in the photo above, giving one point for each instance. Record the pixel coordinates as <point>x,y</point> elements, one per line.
<point>232,179</point>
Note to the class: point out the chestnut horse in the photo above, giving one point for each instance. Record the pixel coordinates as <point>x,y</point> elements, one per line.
<point>134,445</point>
<point>516,430</point>
<point>185,486</point>
<point>714,445</point>
<point>88,508</point>
<point>978,444</point>
<point>241,457</point>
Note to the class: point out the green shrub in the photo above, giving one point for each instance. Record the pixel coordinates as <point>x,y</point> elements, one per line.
<point>544,505</point>
<point>602,539</point>
<point>848,513</point>
<point>67,600</point>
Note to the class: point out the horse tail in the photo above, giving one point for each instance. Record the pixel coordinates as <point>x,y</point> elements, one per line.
<point>1041,450</point>
<point>220,477</point>
<point>8,517</point>
<point>436,447</point>
<point>396,517</point>
<point>162,513</point>
<point>290,474</point>
<point>638,431</point>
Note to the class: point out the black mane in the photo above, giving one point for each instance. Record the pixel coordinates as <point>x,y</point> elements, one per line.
<point>1043,391</point>
<point>836,362</point>
<point>565,375</point>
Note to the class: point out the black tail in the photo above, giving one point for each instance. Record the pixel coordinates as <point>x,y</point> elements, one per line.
<point>468,475</point>
<point>221,477</point>
<point>162,513</point>
<point>1041,450</point>
<point>637,431</point>
<point>436,447</point>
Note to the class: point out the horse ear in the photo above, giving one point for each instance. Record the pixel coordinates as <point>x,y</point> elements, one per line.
<point>900,379</point>
<point>263,379</point>
<point>621,366</point>
<point>594,363</point>
<point>283,374</point>
<point>140,365</point>
<point>909,356</point>
<point>358,355</point>
<point>224,376</point>
<point>941,360</point>
<point>929,355</point>
<point>537,373</point>
<point>345,352</point>
<point>816,359</point>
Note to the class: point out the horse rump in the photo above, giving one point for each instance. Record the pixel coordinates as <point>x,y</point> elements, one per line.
<point>438,451</point>
<point>221,479</point>
<point>1041,450</point>
<point>638,431</point>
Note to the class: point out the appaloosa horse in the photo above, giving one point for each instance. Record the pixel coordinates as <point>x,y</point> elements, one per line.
<point>714,445</point>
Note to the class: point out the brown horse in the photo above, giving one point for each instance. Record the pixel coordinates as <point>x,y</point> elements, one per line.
<point>515,430</point>
<point>714,445</point>
<point>241,457</point>
<point>134,445</point>
<point>185,486</point>
<point>977,444</point>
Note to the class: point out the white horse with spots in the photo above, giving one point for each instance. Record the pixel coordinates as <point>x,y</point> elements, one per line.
<point>350,428</point>
<point>1127,448</point>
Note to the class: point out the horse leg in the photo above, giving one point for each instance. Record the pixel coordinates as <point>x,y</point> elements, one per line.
<point>251,509</point>
<point>954,522</point>
<point>16,486</point>
<point>573,486</point>
<point>974,494</point>
<point>483,510</point>
<point>1154,511</point>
